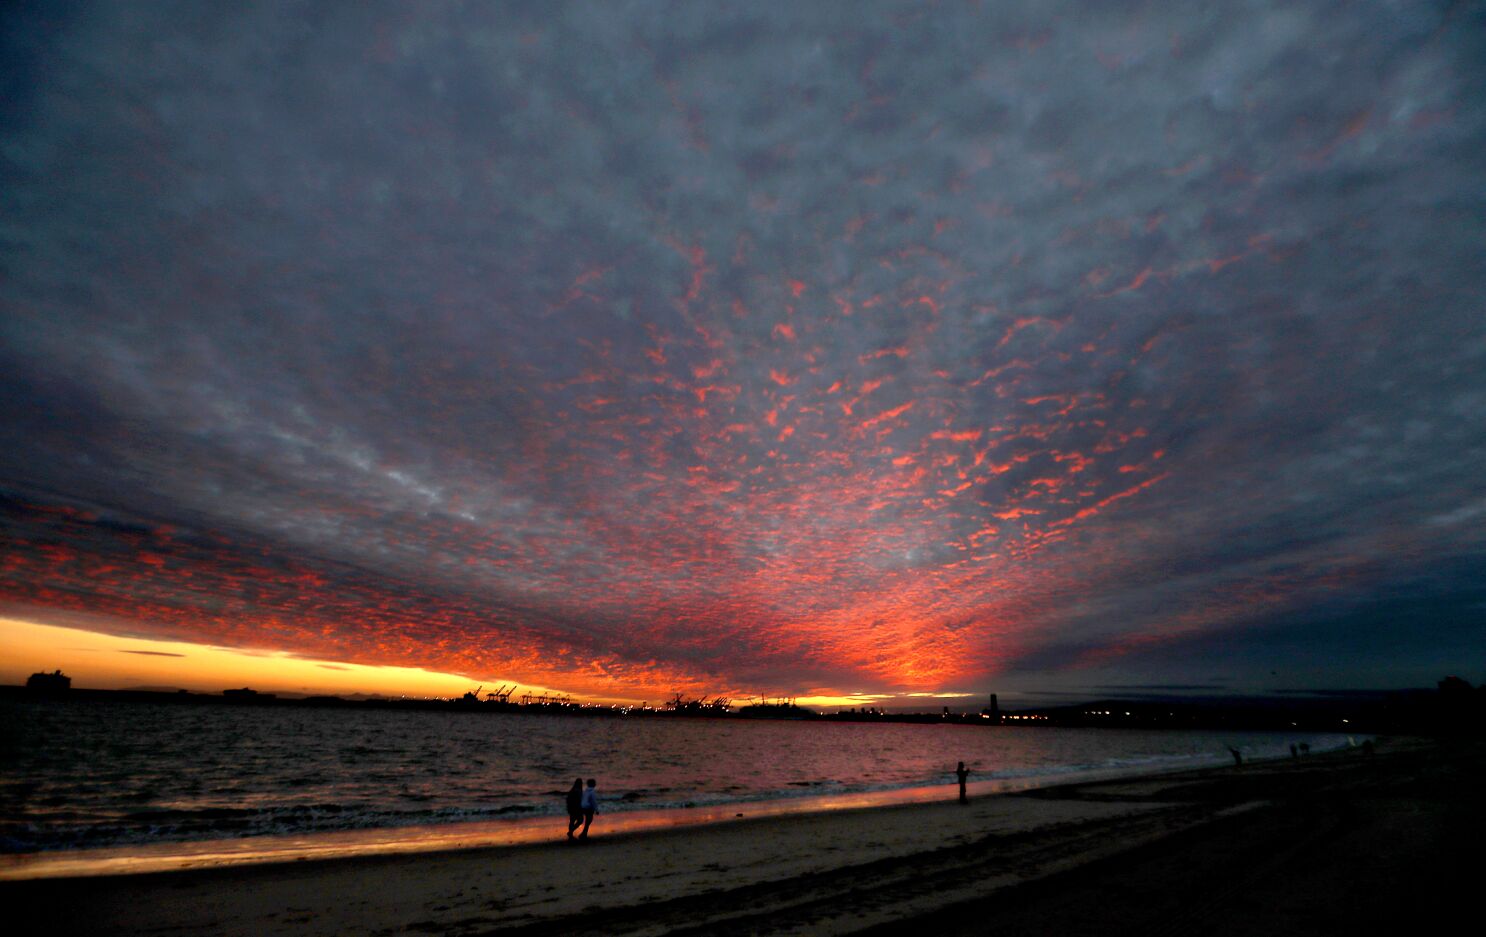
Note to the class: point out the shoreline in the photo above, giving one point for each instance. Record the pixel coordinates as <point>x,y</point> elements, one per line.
<point>828,873</point>
<point>340,845</point>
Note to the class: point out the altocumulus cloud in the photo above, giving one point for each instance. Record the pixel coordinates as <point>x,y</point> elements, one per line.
<point>629,346</point>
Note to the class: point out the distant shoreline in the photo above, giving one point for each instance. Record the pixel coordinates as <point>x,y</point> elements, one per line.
<point>1413,712</point>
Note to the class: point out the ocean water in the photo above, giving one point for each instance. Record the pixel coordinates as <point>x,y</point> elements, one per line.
<point>86,774</point>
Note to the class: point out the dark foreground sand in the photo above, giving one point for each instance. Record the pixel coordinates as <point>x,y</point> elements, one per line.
<point>1342,844</point>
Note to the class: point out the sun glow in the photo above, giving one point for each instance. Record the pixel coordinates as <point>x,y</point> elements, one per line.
<point>842,702</point>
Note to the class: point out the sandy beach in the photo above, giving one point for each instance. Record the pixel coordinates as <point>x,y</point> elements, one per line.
<point>1329,844</point>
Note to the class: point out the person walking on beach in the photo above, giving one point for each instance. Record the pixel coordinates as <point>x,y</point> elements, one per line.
<point>575,806</point>
<point>590,806</point>
<point>962,773</point>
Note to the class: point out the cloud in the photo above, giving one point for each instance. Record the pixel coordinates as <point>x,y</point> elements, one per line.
<point>646,346</point>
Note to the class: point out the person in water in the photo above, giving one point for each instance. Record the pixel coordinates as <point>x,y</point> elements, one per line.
<point>962,773</point>
<point>590,805</point>
<point>575,806</point>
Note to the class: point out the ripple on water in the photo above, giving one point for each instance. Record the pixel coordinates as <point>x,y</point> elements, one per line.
<point>211,772</point>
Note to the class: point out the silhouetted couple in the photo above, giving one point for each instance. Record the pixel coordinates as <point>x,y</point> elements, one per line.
<point>582,803</point>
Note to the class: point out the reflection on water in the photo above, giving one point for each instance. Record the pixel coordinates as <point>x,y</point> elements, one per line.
<point>85,774</point>
<point>174,856</point>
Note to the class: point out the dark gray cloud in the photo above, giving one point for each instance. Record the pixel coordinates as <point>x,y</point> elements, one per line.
<point>787,346</point>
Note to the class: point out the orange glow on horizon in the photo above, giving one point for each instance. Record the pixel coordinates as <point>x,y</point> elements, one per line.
<point>95,660</point>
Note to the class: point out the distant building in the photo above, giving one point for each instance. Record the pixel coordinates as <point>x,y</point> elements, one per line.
<point>54,682</point>
<point>992,710</point>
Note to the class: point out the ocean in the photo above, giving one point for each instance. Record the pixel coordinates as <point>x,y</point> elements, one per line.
<point>85,774</point>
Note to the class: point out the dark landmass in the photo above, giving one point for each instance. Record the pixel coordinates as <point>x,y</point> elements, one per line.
<point>1453,707</point>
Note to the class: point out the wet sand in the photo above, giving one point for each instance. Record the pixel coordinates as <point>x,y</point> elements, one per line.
<point>1329,844</point>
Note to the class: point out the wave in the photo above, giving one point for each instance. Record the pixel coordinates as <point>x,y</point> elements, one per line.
<point>83,831</point>
<point>170,781</point>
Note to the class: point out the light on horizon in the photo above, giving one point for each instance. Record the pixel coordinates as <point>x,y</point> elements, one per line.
<point>96,660</point>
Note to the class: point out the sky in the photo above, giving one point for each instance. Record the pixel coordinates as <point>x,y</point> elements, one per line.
<point>824,350</point>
